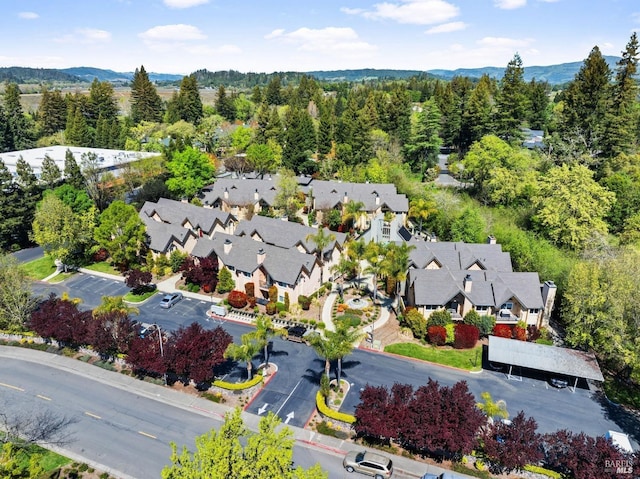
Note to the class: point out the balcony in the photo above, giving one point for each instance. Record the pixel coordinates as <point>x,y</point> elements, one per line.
<point>264,285</point>
<point>506,316</point>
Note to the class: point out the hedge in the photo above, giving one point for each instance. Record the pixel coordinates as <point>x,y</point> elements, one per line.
<point>330,413</point>
<point>239,386</point>
<point>543,471</point>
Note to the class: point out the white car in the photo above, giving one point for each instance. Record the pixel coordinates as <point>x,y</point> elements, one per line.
<point>170,299</point>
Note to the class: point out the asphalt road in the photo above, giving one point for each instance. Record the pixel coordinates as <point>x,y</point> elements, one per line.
<point>291,393</point>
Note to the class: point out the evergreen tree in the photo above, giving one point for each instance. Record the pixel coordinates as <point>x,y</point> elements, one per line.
<point>50,173</point>
<point>77,132</point>
<point>326,127</point>
<point>52,112</point>
<point>26,177</point>
<point>102,103</point>
<point>13,229</point>
<point>18,124</point>
<point>397,115</point>
<point>146,104</point>
<point>512,102</point>
<point>538,101</point>
<point>187,104</point>
<point>275,130</point>
<point>224,105</point>
<point>300,138</point>
<point>476,120</point>
<point>72,174</point>
<point>424,146</point>
<point>262,120</point>
<point>621,123</point>
<point>6,138</point>
<point>273,93</point>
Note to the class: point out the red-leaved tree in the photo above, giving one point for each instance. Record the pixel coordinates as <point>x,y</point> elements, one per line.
<point>502,331</point>
<point>512,446</point>
<point>465,336</point>
<point>437,335</point>
<point>193,352</point>
<point>371,418</point>
<point>145,356</point>
<point>60,319</point>
<point>138,280</point>
<point>202,272</point>
<point>237,299</point>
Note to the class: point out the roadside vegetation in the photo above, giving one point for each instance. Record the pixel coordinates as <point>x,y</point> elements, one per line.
<point>470,359</point>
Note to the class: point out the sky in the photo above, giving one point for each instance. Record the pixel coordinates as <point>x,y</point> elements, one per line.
<point>182,36</point>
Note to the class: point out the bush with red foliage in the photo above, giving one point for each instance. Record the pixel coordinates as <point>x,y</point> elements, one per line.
<point>144,356</point>
<point>60,319</point>
<point>502,331</point>
<point>437,335</point>
<point>465,336</point>
<point>237,299</point>
<point>250,289</point>
<point>252,300</point>
<point>193,352</point>
<point>512,446</point>
<point>271,308</point>
<point>519,333</point>
<point>100,255</point>
<point>200,272</point>
<point>579,455</point>
<point>138,280</point>
<point>380,412</point>
<point>111,333</point>
<point>533,332</point>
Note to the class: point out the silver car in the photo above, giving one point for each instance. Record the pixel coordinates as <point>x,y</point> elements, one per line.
<point>170,299</point>
<point>368,463</point>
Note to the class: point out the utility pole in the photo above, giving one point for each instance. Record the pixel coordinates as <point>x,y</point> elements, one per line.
<point>161,349</point>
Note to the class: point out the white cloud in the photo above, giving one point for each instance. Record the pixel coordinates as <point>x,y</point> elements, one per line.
<point>184,3</point>
<point>416,12</point>
<point>352,11</point>
<point>85,35</point>
<point>447,28</point>
<point>339,41</point>
<point>28,15</point>
<point>503,42</point>
<point>169,33</point>
<point>509,4</point>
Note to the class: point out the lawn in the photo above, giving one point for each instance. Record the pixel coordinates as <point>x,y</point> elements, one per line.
<point>103,267</point>
<point>138,298</point>
<point>469,359</point>
<point>48,460</point>
<point>40,268</point>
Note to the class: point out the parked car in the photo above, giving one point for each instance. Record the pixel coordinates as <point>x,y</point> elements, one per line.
<point>368,463</point>
<point>558,382</point>
<point>296,334</point>
<point>445,475</point>
<point>170,299</point>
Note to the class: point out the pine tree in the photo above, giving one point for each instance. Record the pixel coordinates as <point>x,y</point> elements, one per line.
<point>17,122</point>
<point>50,173</point>
<point>224,105</point>
<point>146,104</point>
<point>52,112</point>
<point>538,101</point>
<point>512,102</point>
<point>72,174</point>
<point>6,138</point>
<point>300,138</point>
<point>273,93</point>
<point>425,142</point>
<point>476,120</point>
<point>102,103</point>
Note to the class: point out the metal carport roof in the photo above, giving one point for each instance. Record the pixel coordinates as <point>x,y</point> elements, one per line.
<point>577,364</point>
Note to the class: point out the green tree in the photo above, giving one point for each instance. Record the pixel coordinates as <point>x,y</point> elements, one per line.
<point>25,175</point>
<point>374,254</point>
<point>570,206</point>
<point>395,265</point>
<point>262,158</point>
<point>102,103</point>
<point>72,174</point>
<point>343,340</point>
<point>273,93</point>
<point>512,102</point>
<point>538,112</point>
<point>62,233</point>
<point>421,209</point>
<point>190,171</point>
<point>186,104</point>
<point>19,126</point>
<point>352,213</point>
<point>425,142</point>
<point>16,300</point>
<point>477,118</point>
<point>225,281</point>
<point>115,304</point>
<point>233,451</point>
<point>492,409</point>
<point>94,179</point>
<point>224,104</point>
<point>52,112</point>
<point>322,240</point>
<point>469,226</point>
<point>264,332</point>
<point>245,351</point>
<point>146,104</point>
<point>121,232</point>
<point>287,198</point>
<point>299,138</point>
<point>14,212</point>
<point>50,173</point>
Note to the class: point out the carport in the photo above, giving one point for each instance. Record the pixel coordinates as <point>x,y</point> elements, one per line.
<point>568,362</point>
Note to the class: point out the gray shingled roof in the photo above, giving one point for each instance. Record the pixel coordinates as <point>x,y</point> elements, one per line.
<point>577,364</point>
<point>330,194</point>
<point>241,192</point>
<point>282,265</point>
<point>459,256</point>
<point>161,235</point>
<point>523,286</point>
<point>177,212</point>
<point>285,234</point>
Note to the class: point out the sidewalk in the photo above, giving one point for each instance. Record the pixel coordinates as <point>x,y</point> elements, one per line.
<point>305,438</point>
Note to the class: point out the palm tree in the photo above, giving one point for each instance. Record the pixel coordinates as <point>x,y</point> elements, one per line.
<point>343,339</point>
<point>352,212</point>
<point>375,253</point>
<point>115,304</point>
<point>265,330</point>
<point>321,239</point>
<point>325,348</point>
<point>396,262</point>
<point>245,351</point>
<point>491,408</point>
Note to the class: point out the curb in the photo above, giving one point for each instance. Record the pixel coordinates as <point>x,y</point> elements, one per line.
<point>264,383</point>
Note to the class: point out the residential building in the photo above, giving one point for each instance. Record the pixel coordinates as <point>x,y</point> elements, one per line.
<point>243,198</point>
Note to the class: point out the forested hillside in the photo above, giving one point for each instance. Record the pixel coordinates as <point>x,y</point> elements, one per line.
<point>569,210</point>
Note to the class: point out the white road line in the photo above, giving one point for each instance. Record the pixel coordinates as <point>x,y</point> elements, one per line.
<point>43,397</point>
<point>288,397</point>
<point>95,416</point>
<point>11,387</point>
<point>146,434</point>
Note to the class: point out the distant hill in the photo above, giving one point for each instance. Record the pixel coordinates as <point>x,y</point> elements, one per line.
<point>35,75</point>
<point>89,73</point>
<point>553,74</point>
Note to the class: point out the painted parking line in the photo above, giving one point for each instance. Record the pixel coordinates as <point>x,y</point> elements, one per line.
<point>95,416</point>
<point>16,388</point>
<point>43,397</point>
<point>147,434</point>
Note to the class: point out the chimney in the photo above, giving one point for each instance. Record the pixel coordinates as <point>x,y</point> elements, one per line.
<point>227,246</point>
<point>226,194</point>
<point>261,255</point>
<point>377,199</point>
<point>549,289</point>
<point>491,239</point>
<point>256,195</point>
<point>345,199</point>
<point>467,282</point>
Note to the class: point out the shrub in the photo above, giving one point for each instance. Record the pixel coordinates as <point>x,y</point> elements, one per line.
<point>304,302</point>
<point>416,322</point>
<point>225,281</point>
<point>357,312</point>
<point>176,259</point>
<point>273,293</point>
<point>441,317</point>
<point>484,322</point>
<point>437,335</point>
<point>250,290</point>
<point>138,280</point>
<point>252,300</point>
<point>466,336</point>
<point>257,378</point>
<point>271,308</point>
<point>543,471</point>
<point>451,334</point>
<point>349,320</point>
<point>502,331</point>
<point>520,333</point>
<point>330,413</point>
<point>237,299</point>
<point>287,302</point>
